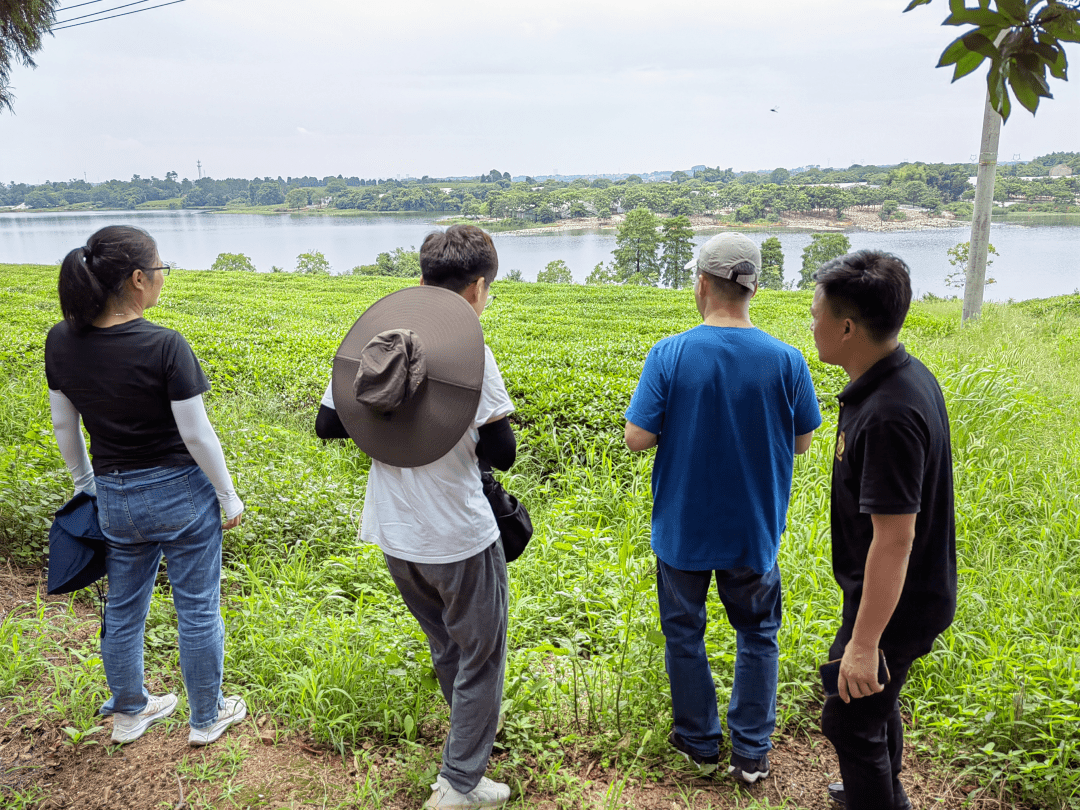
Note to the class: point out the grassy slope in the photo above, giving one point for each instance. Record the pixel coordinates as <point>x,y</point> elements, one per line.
<point>318,635</point>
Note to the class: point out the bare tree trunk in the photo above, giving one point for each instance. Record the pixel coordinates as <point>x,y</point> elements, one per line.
<point>975,282</point>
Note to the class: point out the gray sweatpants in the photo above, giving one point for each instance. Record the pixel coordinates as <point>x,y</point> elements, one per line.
<point>462,609</point>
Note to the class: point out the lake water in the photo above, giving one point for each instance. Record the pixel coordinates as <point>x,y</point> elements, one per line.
<point>1034,262</point>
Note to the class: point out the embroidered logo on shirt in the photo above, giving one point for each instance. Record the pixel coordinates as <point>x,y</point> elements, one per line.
<point>840,446</point>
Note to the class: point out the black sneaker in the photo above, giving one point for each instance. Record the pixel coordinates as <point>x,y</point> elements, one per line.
<point>836,793</point>
<point>749,770</point>
<point>705,765</point>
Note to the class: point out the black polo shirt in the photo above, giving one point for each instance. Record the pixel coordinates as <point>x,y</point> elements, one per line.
<point>893,457</point>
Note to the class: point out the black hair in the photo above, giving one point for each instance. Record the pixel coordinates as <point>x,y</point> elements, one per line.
<point>89,275</point>
<point>456,257</point>
<point>733,291</point>
<point>871,287</point>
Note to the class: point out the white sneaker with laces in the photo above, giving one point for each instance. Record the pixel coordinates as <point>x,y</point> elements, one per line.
<point>234,711</point>
<point>129,727</point>
<point>486,794</point>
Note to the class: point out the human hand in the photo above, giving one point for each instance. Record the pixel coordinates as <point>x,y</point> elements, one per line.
<point>858,672</point>
<point>231,523</point>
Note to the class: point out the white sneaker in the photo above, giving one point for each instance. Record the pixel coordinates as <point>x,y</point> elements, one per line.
<point>235,710</point>
<point>485,794</point>
<point>129,727</point>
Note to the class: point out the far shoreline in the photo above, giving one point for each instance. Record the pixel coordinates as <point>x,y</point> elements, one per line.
<point>854,221</point>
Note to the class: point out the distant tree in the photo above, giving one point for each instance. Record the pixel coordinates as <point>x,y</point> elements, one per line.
<point>312,263</point>
<point>635,248</point>
<point>958,258</point>
<point>578,210</point>
<point>888,208</point>
<point>399,264</point>
<point>822,248</point>
<point>195,198</point>
<point>601,182</point>
<point>679,177</point>
<point>772,265</point>
<point>603,274</point>
<point>269,194</point>
<point>744,213</point>
<point>678,250</point>
<point>297,198</point>
<point>779,176</point>
<point>23,23</point>
<point>233,261</point>
<point>633,179</point>
<point>681,207</point>
<point>545,214</point>
<point>556,272</point>
<point>514,275</point>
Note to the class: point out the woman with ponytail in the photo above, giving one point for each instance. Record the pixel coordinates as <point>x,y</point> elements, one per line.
<point>158,474</point>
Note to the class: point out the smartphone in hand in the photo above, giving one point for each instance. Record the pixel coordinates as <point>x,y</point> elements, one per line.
<point>830,675</point>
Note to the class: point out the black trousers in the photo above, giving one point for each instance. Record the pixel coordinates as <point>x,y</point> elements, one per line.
<point>868,735</point>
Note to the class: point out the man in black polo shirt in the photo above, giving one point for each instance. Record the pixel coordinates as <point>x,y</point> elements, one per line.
<point>893,532</point>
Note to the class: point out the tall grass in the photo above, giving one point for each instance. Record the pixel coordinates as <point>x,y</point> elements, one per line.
<point>319,635</point>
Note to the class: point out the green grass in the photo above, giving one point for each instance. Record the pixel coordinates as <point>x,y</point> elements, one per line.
<point>319,637</point>
<point>1036,217</point>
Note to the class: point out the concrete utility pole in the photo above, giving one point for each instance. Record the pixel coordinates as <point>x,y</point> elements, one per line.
<point>975,283</point>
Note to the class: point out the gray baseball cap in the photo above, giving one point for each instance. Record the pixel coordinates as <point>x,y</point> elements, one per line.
<point>719,256</point>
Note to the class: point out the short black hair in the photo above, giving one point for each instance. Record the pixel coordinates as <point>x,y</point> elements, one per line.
<point>732,291</point>
<point>871,287</point>
<point>456,257</point>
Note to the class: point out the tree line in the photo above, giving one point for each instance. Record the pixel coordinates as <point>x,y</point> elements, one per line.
<point>749,196</point>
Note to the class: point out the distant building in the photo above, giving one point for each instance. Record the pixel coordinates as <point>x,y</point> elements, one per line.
<point>1061,170</point>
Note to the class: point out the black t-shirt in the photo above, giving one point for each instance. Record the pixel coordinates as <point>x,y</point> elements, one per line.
<point>122,379</point>
<point>893,457</point>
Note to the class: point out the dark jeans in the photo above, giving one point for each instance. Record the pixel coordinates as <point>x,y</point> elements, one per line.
<point>462,609</point>
<point>868,735</point>
<point>752,602</point>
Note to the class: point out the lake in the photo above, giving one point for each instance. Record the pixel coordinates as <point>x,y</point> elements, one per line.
<point>1034,262</point>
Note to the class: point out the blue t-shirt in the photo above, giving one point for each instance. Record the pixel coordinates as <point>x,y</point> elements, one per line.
<point>727,404</point>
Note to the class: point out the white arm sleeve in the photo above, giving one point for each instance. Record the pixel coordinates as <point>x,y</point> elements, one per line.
<point>202,442</point>
<point>69,438</point>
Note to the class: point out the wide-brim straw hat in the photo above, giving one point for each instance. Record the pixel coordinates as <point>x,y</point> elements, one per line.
<point>427,344</point>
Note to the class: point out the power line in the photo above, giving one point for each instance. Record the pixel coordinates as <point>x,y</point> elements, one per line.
<point>95,13</point>
<point>125,14</point>
<point>80,5</point>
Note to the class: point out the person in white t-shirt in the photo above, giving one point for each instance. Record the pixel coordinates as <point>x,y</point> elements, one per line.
<point>442,545</point>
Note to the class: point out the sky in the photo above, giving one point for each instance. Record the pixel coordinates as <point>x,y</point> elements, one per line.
<point>381,88</point>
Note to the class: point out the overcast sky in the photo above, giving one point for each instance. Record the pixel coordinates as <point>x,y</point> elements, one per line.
<point>380,88</point>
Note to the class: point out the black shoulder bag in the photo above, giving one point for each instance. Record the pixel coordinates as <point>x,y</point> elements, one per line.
<point>513,520</point>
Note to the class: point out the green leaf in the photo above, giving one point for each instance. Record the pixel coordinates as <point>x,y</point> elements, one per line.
<point>1015,10</point>
<point>978,16</point>
<point>654,636</point>
<point>966,65</point>
<point>999,95</point>
<point>1066,26</point>
<point>1059,68</point>
<point>1024,92</point>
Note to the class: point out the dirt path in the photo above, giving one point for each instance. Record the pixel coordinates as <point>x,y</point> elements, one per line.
<point>259,764</point>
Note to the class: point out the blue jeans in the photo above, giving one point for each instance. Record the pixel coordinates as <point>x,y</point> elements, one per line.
<point>143,514</point>
<point>752,601</point>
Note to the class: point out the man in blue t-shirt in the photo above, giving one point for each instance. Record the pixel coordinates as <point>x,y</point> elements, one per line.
<point>727,407</point>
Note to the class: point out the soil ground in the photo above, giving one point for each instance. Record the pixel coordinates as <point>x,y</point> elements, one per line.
<point>260,764</point>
